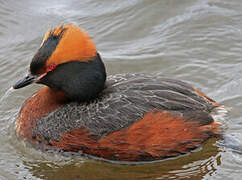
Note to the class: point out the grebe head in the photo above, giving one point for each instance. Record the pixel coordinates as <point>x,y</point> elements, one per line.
<point>67,60</point>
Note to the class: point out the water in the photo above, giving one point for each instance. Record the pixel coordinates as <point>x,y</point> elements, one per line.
<point>198,41</point>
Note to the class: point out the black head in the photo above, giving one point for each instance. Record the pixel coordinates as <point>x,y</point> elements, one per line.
<point>67,60</point>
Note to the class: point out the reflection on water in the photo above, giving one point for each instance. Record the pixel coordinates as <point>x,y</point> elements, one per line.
<point>195,165</point>
<point>198,41</point>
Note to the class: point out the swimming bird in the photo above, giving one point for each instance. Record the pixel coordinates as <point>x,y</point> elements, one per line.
<point>123,117</point>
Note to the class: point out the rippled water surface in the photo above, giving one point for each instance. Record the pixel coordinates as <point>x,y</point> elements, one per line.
<point>196,41</point>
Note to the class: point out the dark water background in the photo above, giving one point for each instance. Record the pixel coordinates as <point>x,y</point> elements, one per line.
<point>199,41</point>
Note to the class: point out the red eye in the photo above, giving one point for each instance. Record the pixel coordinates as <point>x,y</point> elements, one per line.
<point>51,67</point>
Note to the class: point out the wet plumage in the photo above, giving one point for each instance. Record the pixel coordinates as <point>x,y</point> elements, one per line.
<point>125,100</point>
<point>128,117</point>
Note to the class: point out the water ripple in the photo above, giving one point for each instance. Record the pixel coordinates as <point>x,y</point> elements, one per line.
<point>196,41</point>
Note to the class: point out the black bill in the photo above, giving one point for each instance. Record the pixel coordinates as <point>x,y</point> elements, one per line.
<point>29,79</point>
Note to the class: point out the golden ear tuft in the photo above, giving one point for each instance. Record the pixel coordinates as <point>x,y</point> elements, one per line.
<point>58,30</point>
<point>74,45</point>
<point>47,35</point>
